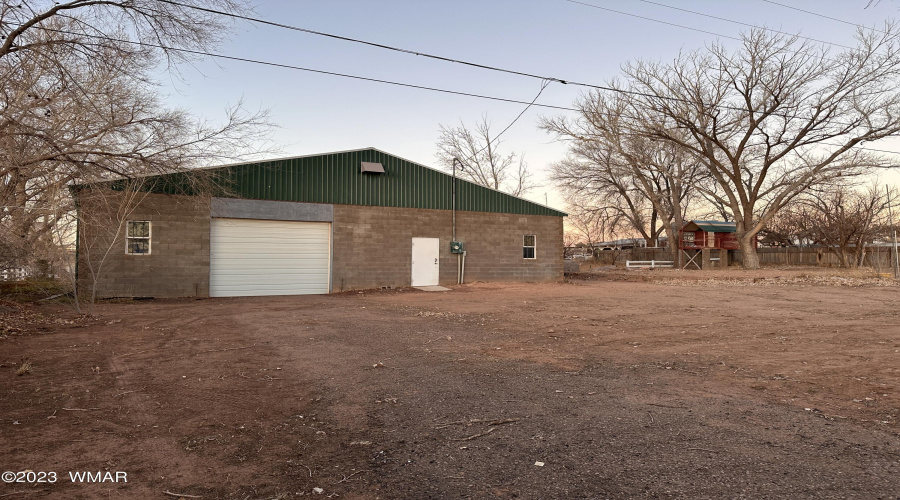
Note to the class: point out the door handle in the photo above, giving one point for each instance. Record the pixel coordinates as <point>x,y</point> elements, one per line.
<point>435,261</point>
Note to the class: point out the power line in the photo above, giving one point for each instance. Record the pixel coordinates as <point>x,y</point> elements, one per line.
<point>824,16</point>
<point>494,68</point>
<point>709,32</point>
<point>532,103</point>
<point>544,81</point>
<point>433,56</point>
<point>654,20</point>
<point>744,24</point>
<point>477,65</point>
<point>378,45</point>
<point>497,137</point>
<point>312,70</point>
<point>389,82</point>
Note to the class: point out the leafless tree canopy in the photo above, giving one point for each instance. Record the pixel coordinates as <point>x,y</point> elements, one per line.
<point>588,226</point>
<point>766,121</point>
<point>841,218</point>
<point>645,184</point>
<point>77,104</point>
<point>483,163</point>
<point>87,28</point>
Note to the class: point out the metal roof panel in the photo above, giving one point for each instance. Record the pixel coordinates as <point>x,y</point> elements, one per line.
<point>713,226</point>
<point>338,178</point>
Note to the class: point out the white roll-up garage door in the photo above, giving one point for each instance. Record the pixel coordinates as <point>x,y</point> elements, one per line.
<point>268,257</point>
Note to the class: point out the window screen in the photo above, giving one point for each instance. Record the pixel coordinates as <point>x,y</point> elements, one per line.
<point>137,237</point>
<point>528,247</point>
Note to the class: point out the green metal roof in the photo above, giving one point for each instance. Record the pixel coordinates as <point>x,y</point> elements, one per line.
<point>711,226</point>
<point>336,178</point>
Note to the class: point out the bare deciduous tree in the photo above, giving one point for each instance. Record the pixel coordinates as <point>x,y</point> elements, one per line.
<point>588,226</point>
<point>650,184</point>
<point>484,164</point>
<point>89,28</point>
<point>77,104</point>
<point>605,190</point>
<point>102,219</point>
<point>771,119</point>
<point>842,219</point>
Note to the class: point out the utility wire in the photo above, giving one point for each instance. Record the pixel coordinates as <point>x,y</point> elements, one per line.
<point>389,82</point>
<point>824,16</point>
<point>431,56</point>
<point>532,103</point>
<point>378,45</point>
<point>831,60</point>
<point>744,24</point>
<point>496,138</point>
<point>652,19</point>
<point>477,65</point>
<point>311,70</point>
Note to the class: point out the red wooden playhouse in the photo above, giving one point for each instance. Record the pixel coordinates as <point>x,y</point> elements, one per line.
<point>710,240</point>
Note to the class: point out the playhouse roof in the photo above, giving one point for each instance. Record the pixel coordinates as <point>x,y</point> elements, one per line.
<point>710,226</point>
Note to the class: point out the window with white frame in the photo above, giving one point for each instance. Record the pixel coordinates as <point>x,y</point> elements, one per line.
<point>137,237</point>
<point>528,246</point>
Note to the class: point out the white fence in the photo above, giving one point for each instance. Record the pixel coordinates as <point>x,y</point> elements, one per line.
<point>645,264</point>
<point>14,274</point>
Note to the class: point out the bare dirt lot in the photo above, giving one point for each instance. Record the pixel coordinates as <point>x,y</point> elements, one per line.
<point>660,384</point>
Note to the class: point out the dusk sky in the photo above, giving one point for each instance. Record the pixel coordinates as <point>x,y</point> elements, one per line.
<point>572,41</point>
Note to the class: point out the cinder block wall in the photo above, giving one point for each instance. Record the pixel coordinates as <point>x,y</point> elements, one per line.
<point>178,263</point>
<point>373,246</point>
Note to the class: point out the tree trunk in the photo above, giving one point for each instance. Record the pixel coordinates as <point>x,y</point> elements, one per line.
<point>748,251</point>
<point>845,257</point>
<point>672,239</point>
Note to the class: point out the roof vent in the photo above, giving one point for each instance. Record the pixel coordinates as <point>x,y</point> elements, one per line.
<point>375,168</point>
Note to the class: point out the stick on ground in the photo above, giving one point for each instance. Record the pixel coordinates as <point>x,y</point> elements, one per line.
<point>180,495</point>
<point>485,433</point>
<point>346,478</point>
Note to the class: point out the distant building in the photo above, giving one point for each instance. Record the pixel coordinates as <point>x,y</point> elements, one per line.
<point>629,243</point>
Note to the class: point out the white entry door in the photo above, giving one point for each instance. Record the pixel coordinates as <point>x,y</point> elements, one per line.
<point>425,254</point>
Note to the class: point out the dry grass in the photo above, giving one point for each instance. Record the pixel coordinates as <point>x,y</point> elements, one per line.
<point>32,289</point>
<point>24,368</point>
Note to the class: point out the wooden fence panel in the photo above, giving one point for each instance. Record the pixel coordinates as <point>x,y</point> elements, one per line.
<point>876,257</point>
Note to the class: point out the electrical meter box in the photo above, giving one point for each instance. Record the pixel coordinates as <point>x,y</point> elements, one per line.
<point>457,247</point>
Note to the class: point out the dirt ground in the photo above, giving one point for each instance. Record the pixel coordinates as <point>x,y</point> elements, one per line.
<point>646,384</point>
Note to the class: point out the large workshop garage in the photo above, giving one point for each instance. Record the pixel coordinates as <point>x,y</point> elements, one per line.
<point>308,225</point>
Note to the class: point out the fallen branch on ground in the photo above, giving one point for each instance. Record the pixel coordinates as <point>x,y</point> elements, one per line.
<point>138,352</point>
<point>180,495</point>
<point>478,421</point>
<point>504,421</point>
<point>346,478</point>
<point>129,392</point>
<point>485,433</point>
